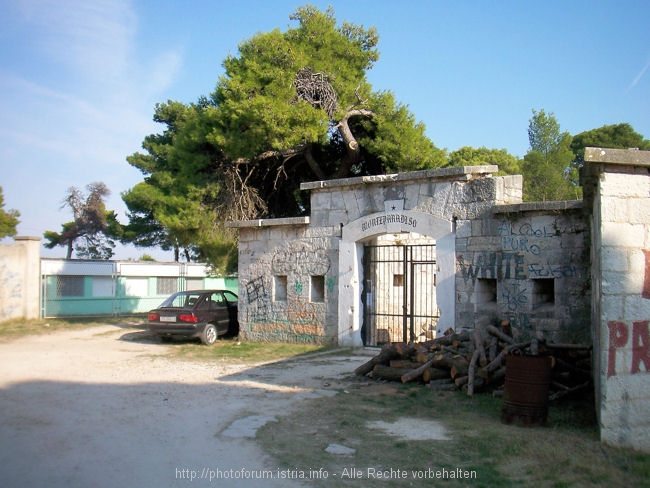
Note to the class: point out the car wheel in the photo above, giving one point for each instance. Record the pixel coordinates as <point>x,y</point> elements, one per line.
<point>209,335</point>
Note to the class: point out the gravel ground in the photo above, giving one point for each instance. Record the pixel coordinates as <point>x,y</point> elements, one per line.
<point>105,407</point>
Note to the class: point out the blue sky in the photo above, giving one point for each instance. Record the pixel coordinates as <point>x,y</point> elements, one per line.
<point>79,79</point>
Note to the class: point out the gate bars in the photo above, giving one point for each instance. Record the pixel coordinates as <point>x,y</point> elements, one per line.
<point>399,295</point>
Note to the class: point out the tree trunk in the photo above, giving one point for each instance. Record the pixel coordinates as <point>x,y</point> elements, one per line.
<point>353,151</point>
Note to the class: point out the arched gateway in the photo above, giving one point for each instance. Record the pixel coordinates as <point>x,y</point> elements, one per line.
<point>362,301</point>
<point>303,279</point>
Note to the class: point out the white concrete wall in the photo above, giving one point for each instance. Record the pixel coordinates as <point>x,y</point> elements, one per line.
<point>20,279</point>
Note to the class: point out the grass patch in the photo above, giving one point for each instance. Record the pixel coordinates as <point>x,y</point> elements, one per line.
<point>240,352</point>
<point>566,453</point>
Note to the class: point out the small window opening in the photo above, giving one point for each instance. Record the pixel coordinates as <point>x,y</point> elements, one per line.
<point>398,280</point>
<point>543,292</point>
<point>317,293</point>
<point>280,289</point>
<point>486,290</point>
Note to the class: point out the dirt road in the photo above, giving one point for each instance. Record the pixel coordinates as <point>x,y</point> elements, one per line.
<point>104,407</point>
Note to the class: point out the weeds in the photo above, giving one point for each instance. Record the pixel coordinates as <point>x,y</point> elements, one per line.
<point>566,453</point>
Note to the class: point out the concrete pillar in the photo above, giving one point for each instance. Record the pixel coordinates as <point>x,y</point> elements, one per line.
<point>20,279</point>
<point>620,199</point>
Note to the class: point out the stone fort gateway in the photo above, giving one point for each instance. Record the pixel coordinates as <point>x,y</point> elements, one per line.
<point>405,257</point>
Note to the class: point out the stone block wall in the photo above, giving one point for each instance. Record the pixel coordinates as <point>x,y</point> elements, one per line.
<point>621,305</point>
<point>287,281</point>
<point>448,193</point>
<point>527,263</point>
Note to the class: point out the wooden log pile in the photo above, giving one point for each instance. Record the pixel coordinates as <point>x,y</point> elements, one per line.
<point>476,362</point>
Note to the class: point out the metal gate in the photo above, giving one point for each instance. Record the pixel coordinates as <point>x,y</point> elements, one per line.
<point>399,295</point>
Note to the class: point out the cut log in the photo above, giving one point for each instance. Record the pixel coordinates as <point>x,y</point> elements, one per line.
<point>471,372</point>
<point>493,349</point>
<point>383,372</point>
<point>404,363</point>
<point>497,333</point>
<point>421,357</point>
<point>417,372</point>
<point>432,374</point>
<point>404,349</point>
<point>479,345</point>
<point>450,339</point>
<point>496,363</point>
<point>388,352</point>
<point>458,370</point>
<point>446,360</point>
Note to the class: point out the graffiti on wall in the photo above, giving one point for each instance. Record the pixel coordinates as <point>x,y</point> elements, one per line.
<point>11,291</point>
<point>548,270</point>
<point>519,237</point>
<point>492,265</point>
<point>514,298</point>
<point>638,341</point>
<point>498,265</point>
<point>302,259</point>
<point>293,314</point>
<point>645,293</point>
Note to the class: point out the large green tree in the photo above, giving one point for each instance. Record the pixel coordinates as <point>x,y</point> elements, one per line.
<point>89,233</point>
<point>546,167</point>
<point>616,136</point>
<point>8,219</point>
<point>292,106</point>
<point>471,156</point>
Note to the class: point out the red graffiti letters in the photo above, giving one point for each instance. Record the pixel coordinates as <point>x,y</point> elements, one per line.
<point>619,335</point>
<point>646,280</point>
<point>640,346</point>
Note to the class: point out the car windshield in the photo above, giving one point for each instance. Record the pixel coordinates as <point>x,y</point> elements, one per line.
<point>181,300</point>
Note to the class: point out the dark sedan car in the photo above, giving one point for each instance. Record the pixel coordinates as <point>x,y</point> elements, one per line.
<point>205,314</point>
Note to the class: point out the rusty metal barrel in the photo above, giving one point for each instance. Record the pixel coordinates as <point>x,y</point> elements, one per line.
<point>525,397</point>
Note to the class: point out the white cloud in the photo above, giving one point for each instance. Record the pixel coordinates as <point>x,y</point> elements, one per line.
<point>638,77</point>
<point>76,101</point>
<point>94,38</point>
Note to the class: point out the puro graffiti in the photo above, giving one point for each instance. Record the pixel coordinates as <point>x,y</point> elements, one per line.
<point>523,237</point>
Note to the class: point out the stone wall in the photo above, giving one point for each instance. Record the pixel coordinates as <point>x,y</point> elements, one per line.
<point>620,199</point>
<point>527,263</point>
<point>20,279</point>
<point>287,281</point>
<point>496,258</point>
